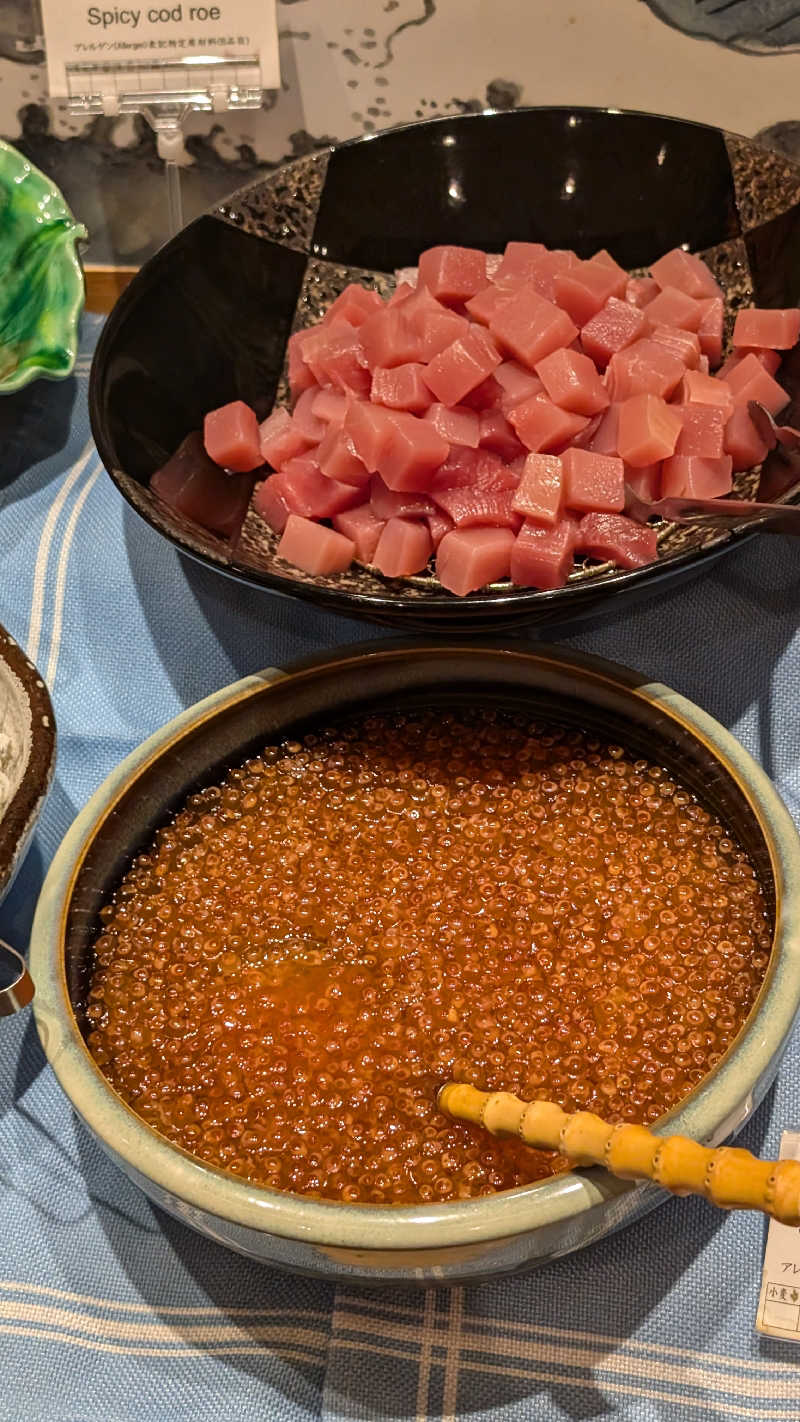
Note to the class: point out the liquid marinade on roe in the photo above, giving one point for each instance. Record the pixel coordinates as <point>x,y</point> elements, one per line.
<point>310,949</point>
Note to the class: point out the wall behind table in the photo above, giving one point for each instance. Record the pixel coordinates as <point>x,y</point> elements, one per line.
<point>355,66</point>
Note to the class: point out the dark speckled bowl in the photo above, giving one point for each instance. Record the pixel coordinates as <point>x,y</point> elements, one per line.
<point>207,319</point>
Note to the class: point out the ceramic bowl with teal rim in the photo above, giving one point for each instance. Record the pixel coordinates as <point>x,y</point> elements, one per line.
<point>458,1241</point>
<point>41,282</point>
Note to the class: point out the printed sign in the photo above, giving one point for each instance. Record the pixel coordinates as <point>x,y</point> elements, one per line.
<point>779,1305</point>
<point>78,32</point>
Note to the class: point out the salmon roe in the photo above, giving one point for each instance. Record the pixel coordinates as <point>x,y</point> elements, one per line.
<point>309,950</point>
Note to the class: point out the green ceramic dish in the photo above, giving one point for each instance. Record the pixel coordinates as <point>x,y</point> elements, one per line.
<point>41,282</point>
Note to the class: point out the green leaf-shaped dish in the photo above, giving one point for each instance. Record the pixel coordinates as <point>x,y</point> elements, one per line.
<point>41,282</point>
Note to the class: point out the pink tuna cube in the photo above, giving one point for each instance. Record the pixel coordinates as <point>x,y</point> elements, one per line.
<point>614,327</point>
<point>438,331</point>
<point>460,469</point>
<point>353,305</point>
<point>517,384</point>
<point>486,396</point>
<point>541,275</point>
<point>585,288</point>
<point>279,439</point>
<point>672,307</point>
<point>543,426</point>
<point>645,368</point>
<point>269,501</point>
<point>404,547</point>
<point>370,430</point>
<point>197,488</point>
<point>750,381</point>
<point>640,291</point>
<point>540,493</point>
<point>699,389</point>
<point>388,338</point>
<point>453,273</point>
<point>470,558</point>
<point>519,260</point>
<point>470,508</point>
<point>529,327</point>
<point>606,260</point>
<point>304,418</point>
<point>314,548</point>
<point>327,405</point>
<point>686,271</point>
<point>769,359</point>
<point>542,557</point>
<point>401,388</point>
<point>691,476</point>
<point>742,440</point>
<point>492,474</point>
<point>401,293</point>
<point>709,331</point>
<point>604,438</point>
<point>483,306</point>
<point>337,459</point>
<point>683,344</point>
<point>309,493</point>
<point>413,452</point>
<point>648,429</point>
<point>702,432</point>
<point>336,358</point>
<point>363,529</point>
<point>644,482</point>
<point>497,434</point>
<point>386,504</point>
<point>438,524</point>
<point>571,381</point>
<point>300,377</point>
<point>466,363</point>
<point>231,437</point>
<point>615,539</point>
<point>593,481</point>
<point>458,425</point>
<point>772,330</point>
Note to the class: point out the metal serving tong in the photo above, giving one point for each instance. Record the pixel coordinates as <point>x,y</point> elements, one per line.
<point>16,984</point>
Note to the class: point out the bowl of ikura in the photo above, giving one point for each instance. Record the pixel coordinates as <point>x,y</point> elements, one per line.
<point>297,911</point>
<point>419,377</point>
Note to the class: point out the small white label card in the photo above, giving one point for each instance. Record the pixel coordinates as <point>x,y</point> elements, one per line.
<point>140,32</point>
<point>779,1305</point>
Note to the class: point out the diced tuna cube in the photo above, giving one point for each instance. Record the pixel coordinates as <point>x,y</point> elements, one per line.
<point>470,558</point>
<point>604,439</point>
<point>271,504</point>
<point>606,260</point>
<point>519,260</point>
<point>585,288</point>
<point>743,441</point>
<point>640,291</point>
<point>486,396</point>
<point>438,525</point>
<point>644,482</point>
<point>583,439</point>
<point>645,368</point>
<point>469,508</point>
<point>453,273</point>
<point>231,437</point>
<point>683,344</point>
<point>709,332</point>
<point>458,425</point>
<point>401,293</point>
<point>529,327</point>
<point>336,358</point>
<point>686,271</point>
<point>314,547</point>
<point>300,377</point>
<point>769,359</point>
<point>370,429</point>
<point>353,305</point>
<point>438,331</point>
<point>460,469</point>
<point>702,432</point>
<point>337,459</point>
<point>404,547</point>
<point>457,370</point>
<point>388,338</point>
<point>401,388</point>
<point>386,504</point>
<point>305,420</point>
<point>422,306</point>
<point>541,275</point>
<point>543,426</point>
<point>492,474</point>
<point>363,529</point>
<point>699,389</point>
<point>540,494</point>
<point>279,439</point>
<point>770,330</point>
<point>593,481</point>
<point>613,328</point>
<point>648,430</point>
<point>542,557</point>
<point>615,539</point>
<point>413,453</point>
<point>497,434</point>
<point>691,476</point>
<point>309,493</point>
<point>750,381</point>
<point>672,307</point>
<point>571,381</point>
<point>327,405</point>
<point>196,487</point>
<point>517,384</point>
<point>483,306</point>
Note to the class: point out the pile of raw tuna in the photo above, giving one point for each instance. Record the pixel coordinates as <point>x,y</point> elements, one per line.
<point>492,411</point>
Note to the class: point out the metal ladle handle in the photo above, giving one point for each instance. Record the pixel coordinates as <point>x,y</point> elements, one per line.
<point>20,990</point>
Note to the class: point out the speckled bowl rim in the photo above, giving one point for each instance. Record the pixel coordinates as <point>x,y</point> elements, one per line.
<point>22,811</point>
<point>715,1108</point>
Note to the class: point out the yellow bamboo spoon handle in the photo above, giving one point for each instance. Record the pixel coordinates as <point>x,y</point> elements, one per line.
<point>733,1179</point>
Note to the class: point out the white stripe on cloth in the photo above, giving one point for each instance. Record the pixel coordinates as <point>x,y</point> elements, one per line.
<point>43,552</point>
<point>153,1331</point>
<point>61,578</point>
<point>287,1352</point>
<point>18,1286</point>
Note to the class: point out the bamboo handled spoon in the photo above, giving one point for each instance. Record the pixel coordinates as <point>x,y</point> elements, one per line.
<point>731,1178</point>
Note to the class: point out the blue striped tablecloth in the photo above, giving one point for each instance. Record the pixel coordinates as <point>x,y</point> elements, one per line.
<point>112,1312</point>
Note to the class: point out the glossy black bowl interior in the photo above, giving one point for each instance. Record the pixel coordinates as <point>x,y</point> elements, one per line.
<point>207,319</point>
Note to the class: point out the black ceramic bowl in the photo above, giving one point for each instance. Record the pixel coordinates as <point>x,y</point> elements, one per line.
<point>207,319</point>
